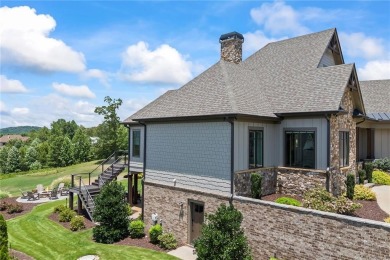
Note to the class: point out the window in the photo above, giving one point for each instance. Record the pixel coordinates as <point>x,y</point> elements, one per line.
<point>344,148</point>
<point>136,143</point>
<point>255,148</point>
<point>300,149</point>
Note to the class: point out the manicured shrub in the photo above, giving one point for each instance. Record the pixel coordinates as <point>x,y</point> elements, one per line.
<point>222,236</point>
<point>4,194</point>
<point>137,229</point>
<point>363,193</point>
<point>66,180</point>
<point>362,176</point>
<point>320,199</point>
<point>387,220</point>
<point>350,182</point>
<point>380,177</point>
<point>369,168</point>
<point>111,211</point>
<point>288,201</point>
<point>256,180</point>
<point>129,210</point>
<point>154,232</point>
<point>382,164</point>
<point>77,223</point>
<point>59,208</point>
<point>14,208</point>
<point>66,215</point>
<point>3,205</point>
<point>3,239</point>
<point>167,241</point>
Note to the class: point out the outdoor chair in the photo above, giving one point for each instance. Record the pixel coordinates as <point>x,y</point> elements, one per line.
<point>40,188</point>
<point>62,190</point>
<point>24,194</point>
<point>53,194</point>
<point>32,196</point>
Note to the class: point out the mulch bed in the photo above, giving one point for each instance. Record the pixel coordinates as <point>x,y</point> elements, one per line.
<point>19,255</point>
<point>370,209</point>
<point>54,217</point>
<point>140,242</point>
<point>27,207</point>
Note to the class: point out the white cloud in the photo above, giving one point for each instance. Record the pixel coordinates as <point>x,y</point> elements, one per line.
<point>3,107</point>
<point>98,74</point>
<point>136,104</point>
<point>84,107</point>
<point>11,85</point>
<point>360,45</point>
<point>279,18</point>
<point>25,42</point>
<point>163,65</point>
<point>375,70</point>
<point>17,111</point>
<point>256,40</point>
<point>73,91</point>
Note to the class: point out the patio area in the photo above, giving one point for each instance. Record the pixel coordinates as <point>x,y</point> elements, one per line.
<point>40,200</point>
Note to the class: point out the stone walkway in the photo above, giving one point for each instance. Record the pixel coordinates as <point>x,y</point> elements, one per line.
<point>184,253</point>
<point>383,197</point>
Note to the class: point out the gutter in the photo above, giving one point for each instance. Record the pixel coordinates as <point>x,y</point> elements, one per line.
<point>231,121</point>
<point>144,172</point>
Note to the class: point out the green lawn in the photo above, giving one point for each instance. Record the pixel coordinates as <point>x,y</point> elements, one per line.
<point>42,238</point>
<point>29,181</point>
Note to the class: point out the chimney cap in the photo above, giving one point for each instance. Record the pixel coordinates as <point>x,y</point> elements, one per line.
<point>231,35</point>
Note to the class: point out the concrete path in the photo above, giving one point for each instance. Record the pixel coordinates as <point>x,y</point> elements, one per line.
<point>383,197</point>
<point>184,253</point>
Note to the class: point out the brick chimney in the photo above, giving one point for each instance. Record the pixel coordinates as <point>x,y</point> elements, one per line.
<point>231,47</point>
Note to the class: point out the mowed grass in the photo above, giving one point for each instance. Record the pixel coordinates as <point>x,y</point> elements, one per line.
<point>41,238</point>
<point>29,181</point>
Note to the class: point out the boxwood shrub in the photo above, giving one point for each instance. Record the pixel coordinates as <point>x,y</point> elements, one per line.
<point>137,229</point>
<point>154,232</point>
<point>288,201</point>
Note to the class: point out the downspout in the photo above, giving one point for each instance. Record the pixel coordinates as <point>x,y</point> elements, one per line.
<point>231,121</point>
<point>327,184</point>
<point>128,161</point>
<point>144,172</point>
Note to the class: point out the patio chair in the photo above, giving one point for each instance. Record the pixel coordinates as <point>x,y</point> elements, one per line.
<point>53,194</point>
<point>40,188</point>
<point>24,194</point>
<point>62,190</point>
<point>32,196</point>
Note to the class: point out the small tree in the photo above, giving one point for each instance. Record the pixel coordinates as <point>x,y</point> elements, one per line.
<point>350,182</point>
<point>362,176</point>
<point>369,168</point>
<point>256,180</point>
<point>13,160</point>
<point>222,237</point>
<point>3,239</point>
<point>112,214</point>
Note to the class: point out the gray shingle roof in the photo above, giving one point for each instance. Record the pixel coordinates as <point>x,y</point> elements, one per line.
<point>282,77</point>
<point>376,98</point>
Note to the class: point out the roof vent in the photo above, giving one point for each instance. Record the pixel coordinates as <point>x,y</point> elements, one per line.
<point>231,46</point>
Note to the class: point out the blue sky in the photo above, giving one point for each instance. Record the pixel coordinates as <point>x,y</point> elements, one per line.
<point>59,59</point>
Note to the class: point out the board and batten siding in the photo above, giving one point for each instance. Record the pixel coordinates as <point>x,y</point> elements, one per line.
<point>327,59</point>
<point>320,127</point>
<point>241,144</point>
<point>382,143</point>
<point>362,143</point>
<point>139,159</point>
<point>192,155</point>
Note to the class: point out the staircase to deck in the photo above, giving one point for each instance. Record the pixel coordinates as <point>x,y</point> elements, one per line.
<point>110,169</point>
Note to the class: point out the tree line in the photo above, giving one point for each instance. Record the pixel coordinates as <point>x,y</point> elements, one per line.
<point>66,143</point>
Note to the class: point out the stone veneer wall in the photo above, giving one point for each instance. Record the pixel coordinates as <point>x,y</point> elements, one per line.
<point>165,201</point>
<point>284,180</point>
<point>273,229</point>
<point>242,181</point>
<point>231,50</point>
<point>339,123</point>
<point>294,181</point>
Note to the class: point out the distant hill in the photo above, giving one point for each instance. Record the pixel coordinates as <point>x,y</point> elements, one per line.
<point>18,130</point>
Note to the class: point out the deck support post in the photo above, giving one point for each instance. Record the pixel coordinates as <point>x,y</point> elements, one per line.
<point>79,205</point>
<point>135,197</point>
<point>71,200</point>
<point>130,189</point>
